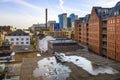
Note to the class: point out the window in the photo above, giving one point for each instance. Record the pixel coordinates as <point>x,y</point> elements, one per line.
<point>17,39</point>
<point>118,20</point>
<point>27,42</point>
<point>22,39</point>
<point>115,13</point>
<point>27,38</point>
<point>17,43</point>
<point>113,20</point>
<point>12,39</point>
<point>22,42</point>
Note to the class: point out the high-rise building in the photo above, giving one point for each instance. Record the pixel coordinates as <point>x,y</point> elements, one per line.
<point>73,17</point>
<point>68,22</point>
<point>63,20</point>
<point>56,26</point>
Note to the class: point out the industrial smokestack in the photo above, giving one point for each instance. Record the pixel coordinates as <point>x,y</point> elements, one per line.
<point>46,15</point>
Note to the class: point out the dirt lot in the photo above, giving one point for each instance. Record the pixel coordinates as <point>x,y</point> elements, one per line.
<point>29,65</point>
<point>20,56</point>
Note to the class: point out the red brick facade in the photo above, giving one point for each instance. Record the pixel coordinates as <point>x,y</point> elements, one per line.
<point>84,33</point>
<point>113,37</point>
<point>76,31</point>
<point>103,32</point>
<point>94,33</point>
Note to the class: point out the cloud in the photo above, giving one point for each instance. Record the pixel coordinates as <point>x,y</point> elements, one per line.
<point>61,5</point>
<point>24,3</point>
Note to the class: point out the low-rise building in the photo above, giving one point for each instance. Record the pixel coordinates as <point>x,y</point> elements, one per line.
<point>62,45</point>
<point>7,29</point>
<point>18,37</point>
<point>55,34</point>
<point>38,28</point>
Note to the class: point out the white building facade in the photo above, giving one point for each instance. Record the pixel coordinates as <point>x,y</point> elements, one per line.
<point>64,20</point>
<point>18,37</point>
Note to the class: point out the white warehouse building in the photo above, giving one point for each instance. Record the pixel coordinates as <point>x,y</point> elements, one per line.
<point>18,37</point>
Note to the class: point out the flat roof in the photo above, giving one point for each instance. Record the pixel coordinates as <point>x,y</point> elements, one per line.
<point>62,41</point>
<point>23,48</point>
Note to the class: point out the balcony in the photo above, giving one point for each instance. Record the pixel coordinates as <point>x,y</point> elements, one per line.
<point>104,32</point>
<point>104,26</point>
<point>104,39</point>
<point>104,46</point>
<point>104,52</point>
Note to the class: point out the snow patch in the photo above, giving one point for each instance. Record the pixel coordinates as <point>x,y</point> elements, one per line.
<point>38,54</point>
<point>85,64</point>
<point>49,69</point>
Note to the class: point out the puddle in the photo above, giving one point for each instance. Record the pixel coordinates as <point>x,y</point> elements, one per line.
<point>49,69</point>
<point>93,69</point>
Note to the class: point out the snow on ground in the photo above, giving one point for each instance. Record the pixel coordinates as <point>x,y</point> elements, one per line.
<point>38,54</point>
<point>13,53</point>
<point>49,69</point>
<point>85,64</point>
<point>43,44</point>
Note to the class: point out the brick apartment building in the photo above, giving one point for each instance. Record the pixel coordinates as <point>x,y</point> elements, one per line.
<point>113,33</point>
<point>103,31</point>
<point>84,30</point>
<point>98,30</point>
<point>76,31</point>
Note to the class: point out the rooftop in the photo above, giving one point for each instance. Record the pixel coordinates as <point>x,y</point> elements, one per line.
<point>62,41</point>
<point>23,48</point>
<point>18,33</point>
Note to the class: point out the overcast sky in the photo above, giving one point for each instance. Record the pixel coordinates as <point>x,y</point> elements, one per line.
<point>24,13</point>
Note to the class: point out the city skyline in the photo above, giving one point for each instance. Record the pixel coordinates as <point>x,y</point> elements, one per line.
<point>24,13</point>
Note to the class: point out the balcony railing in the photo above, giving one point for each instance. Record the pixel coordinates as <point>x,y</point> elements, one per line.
<point>104,32</point>
<point>104,26</point>
<point>104,46</point>
<point>104,39</point>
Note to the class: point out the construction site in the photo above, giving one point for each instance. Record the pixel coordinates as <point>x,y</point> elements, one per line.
<point>76,64</point>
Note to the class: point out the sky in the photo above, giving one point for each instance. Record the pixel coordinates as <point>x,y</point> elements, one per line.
<point>24,13</point>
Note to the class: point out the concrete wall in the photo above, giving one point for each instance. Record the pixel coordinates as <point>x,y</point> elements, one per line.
<point>62,47</point>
